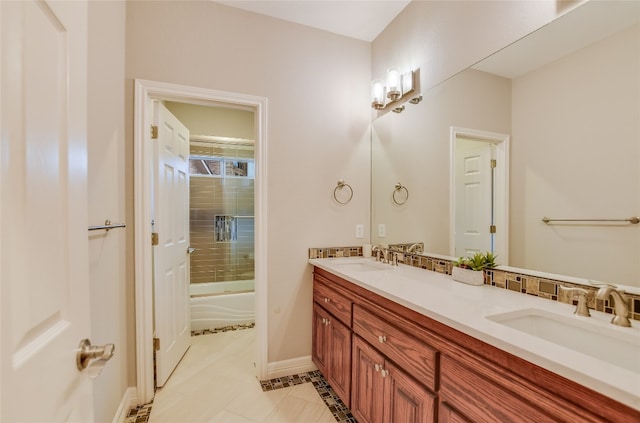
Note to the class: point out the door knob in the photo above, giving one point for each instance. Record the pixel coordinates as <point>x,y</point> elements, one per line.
<point>88,352</point>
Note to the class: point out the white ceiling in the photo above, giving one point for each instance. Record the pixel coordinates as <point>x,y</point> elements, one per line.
<point>360,19</point>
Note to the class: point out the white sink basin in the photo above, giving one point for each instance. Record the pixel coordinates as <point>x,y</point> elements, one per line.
<point>618,346</point>
<point>362,265</point>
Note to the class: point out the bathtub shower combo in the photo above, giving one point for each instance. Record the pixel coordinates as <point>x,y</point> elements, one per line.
<point>220,304</point>
<point>222,233</point>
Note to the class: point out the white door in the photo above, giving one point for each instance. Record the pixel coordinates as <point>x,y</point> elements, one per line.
<point>43,212</point>
<point>473,197</point>
<point>171,223</point>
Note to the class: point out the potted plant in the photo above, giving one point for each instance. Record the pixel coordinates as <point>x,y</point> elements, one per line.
<point>470,270</point>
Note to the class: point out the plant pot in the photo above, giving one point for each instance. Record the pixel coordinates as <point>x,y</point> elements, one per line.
<point>468,276</point>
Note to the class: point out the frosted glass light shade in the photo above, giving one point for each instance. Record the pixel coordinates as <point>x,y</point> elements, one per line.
<point>394,83</point>
<point>377,94</point>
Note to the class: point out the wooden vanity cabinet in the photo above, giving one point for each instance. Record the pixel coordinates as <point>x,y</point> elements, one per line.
<point>407,367</point>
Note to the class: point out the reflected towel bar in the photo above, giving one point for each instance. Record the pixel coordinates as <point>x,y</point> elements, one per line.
<point>633,220</point>
<point>107,225</point>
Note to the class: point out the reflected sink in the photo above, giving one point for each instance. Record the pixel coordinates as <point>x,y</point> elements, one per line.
<point>617,346</point>
<point>362,266</point>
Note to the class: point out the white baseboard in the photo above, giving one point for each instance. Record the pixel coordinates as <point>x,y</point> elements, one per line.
<point>290,367</point>
<point>128,402</point>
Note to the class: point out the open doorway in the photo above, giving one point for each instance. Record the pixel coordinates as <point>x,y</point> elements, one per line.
<point>146,93</point>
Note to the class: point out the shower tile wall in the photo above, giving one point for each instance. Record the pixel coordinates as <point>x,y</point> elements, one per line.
<point>210,197</point>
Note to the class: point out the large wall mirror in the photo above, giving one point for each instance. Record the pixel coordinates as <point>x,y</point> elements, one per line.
<point>563,104</point>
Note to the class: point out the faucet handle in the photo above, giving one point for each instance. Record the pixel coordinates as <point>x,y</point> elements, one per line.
<point>581,308</point>
<point>603,284</point>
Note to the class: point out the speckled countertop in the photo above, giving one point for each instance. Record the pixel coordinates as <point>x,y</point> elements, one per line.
<point>465,308</point>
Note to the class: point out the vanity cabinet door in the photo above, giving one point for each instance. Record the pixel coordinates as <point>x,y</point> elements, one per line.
<point>320,346</point>
<point>331,351</point>
<point>384,393</point>
<point>406,400</point>
<point>367,395</point>
<point>339,371</point>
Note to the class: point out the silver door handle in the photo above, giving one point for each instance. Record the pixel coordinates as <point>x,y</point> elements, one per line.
<point>190,250</point>
<point>88,352</point>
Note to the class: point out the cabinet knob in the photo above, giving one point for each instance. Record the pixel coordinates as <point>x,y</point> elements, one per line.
<point>377,367</point>
<point>382,339</point>
<point>384,373</point>
<point>326,299</point>
<point>327,322</point>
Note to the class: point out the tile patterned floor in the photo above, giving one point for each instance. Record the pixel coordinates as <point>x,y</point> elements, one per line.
<point>215,382</point>
<point>222,329</point>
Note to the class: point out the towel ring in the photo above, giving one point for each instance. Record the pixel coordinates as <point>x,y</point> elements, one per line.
<point>399,187</point>
<point>341,185</point>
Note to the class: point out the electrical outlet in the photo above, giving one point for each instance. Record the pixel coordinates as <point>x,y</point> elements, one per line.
<point>359,230</point>
<point>382,230</point>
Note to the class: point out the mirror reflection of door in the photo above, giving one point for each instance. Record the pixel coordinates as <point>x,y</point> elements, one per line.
<point>474,193</point>
<point>479,193</point>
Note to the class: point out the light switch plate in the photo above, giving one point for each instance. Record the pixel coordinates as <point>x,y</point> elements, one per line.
<point>382,230</point>
<point>359,230</point>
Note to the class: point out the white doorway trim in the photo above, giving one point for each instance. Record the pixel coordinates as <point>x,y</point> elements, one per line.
<point>501,142</point>
<point>145,93</point>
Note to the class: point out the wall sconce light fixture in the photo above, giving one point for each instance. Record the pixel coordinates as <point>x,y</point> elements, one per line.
<point>397,85</point>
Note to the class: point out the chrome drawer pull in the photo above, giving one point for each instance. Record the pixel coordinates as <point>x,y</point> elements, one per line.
<point>382,339</point>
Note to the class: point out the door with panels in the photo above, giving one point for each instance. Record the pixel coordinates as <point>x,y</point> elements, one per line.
<point>170,207</point>
<point>44,274</point>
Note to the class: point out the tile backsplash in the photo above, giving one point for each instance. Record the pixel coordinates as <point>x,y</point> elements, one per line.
<point>515,281</point>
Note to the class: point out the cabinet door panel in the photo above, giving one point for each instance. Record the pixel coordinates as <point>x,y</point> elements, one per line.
<point>320,348</point>
<point>406,400</point>
<point>340,360</point>
<point>367,394</point>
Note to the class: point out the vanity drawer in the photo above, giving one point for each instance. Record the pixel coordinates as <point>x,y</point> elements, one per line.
<point>336,303</point>
<point>418,359</point>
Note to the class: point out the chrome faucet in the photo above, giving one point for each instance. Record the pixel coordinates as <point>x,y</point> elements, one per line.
<point>620,307</point>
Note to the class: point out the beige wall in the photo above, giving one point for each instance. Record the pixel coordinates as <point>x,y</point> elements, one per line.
<point>214,121</point>
<point>581,162</point>
<point>112,318</point>
<point>317,85</point>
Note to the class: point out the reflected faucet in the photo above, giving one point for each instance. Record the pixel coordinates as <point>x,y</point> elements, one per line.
<point>413,247</point>
<point>620,307</point>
